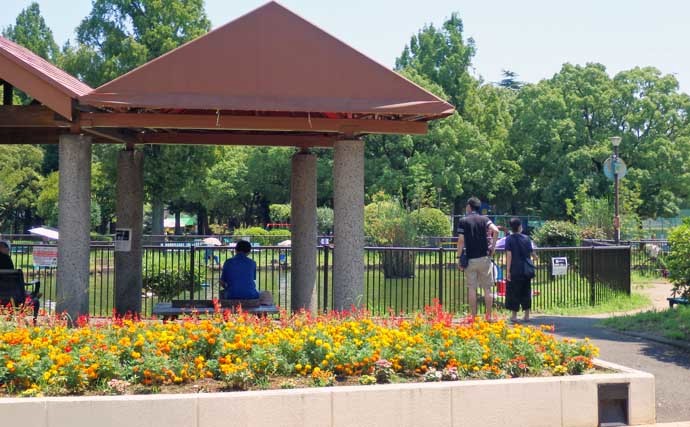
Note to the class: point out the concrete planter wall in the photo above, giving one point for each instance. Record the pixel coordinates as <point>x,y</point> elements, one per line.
<point>569,401</point>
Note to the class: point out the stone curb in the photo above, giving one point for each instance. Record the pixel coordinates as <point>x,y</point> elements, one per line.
<point>672,424</point>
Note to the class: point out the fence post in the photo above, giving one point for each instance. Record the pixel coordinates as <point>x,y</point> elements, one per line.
<point>325,278</point>
<point>592,286</point>
<point>627,263</point>
<point>440,275</point>
<point>191,272</point>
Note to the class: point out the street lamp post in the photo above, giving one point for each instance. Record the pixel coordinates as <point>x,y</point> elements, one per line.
<point>615,141</point>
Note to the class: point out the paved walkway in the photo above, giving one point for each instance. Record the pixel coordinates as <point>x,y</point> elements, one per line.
<point>669,365</point>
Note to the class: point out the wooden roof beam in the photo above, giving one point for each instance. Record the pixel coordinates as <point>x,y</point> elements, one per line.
<point>30,116</point>
<point>302,141</point>
<point>249,123</point>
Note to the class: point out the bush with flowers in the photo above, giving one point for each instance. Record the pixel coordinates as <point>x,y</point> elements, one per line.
<point>241,351</point>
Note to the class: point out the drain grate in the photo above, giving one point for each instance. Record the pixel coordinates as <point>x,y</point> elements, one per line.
<point>613,404</point>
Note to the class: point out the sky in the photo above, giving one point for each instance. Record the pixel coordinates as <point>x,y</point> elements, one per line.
<point>530,37</point>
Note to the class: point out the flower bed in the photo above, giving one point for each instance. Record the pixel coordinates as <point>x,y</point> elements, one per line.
<point>240,351</point>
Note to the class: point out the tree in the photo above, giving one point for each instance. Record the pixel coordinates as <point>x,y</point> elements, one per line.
<point>49,196</point>
<point>561,130</point>
<point>31,31</point>
<point>463,155</point>
<point>510,80</point>
<point>119,35</point>
<point>226,182</point>
<point>19,169</point>
<point>443,56</point>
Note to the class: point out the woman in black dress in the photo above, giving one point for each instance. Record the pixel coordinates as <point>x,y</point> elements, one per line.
<point>518,249</point>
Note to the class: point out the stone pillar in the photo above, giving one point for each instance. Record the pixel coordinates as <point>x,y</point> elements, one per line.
<point>348,224</point>
<point>303,228</point>
<point>74,225</point>
<point>130,214</point>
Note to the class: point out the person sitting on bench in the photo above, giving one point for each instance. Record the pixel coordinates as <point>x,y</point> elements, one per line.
<point>16,277</point>
<point>5,260</point>
<point>239,274</point>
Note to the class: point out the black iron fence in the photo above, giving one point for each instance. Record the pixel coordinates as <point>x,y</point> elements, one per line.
<point>396,279</point>
<point>647,257</point>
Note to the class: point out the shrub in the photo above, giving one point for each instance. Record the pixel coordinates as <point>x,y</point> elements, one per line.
<point>678,260</point>
<point>431,222</point>
<point>253,234</point>
<point>386,223</point>
<point>557,233</point>
<point>277,235</point>
<point>167,284</point>
<point>590,232</point>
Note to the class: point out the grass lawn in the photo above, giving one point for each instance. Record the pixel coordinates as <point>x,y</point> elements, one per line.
<point>617,303</point>
<point>673,323</point>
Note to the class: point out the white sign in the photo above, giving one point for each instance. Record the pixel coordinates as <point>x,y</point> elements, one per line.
<point>123,239</point>
<point>559,266</point>
<point>45,256</point>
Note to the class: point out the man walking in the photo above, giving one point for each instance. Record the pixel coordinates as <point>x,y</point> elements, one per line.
<point>477,236</point>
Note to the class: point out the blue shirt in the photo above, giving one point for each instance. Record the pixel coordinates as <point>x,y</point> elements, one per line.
<point>239,273</point>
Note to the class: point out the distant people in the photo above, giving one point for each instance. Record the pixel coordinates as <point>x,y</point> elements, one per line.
<point>239,276</point>
<point>477,236</point>
<point>5,260</point>
<point>518,249</point>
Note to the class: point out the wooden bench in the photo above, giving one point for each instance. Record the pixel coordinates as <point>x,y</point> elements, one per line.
<point>677,300</point>
<point>13,290</point>
<point>167,311</point>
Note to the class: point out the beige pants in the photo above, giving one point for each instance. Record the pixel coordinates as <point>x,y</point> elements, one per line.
<point>479,273</point>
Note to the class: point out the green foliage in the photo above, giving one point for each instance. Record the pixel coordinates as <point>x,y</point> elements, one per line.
<point>386,223</point>
<point>277,235</point>
<point>678,260</point>
<point>47,202</point>
<point>253,234</point>
<point>168,284</point>
<point>324,220</point>
<point>431,222</point>
<point>444,56</point>
<point>557,233</point>
<point>31,31</point>
<point>561,137</point>
<point>279,213</point>
<point>593,215</point>
<point>119,35</point>
<point>21,180</point>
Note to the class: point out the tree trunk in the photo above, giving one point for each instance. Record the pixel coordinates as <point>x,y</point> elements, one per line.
<point>202,222</point>
<point>178,229</point>
<point>157,211</point>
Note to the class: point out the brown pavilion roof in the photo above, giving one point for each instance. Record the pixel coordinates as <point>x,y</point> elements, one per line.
<point>269,60</point>
<point>39,78</point>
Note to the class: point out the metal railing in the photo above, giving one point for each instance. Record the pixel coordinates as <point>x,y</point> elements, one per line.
<point>396,279</point>
<point>647,257</point>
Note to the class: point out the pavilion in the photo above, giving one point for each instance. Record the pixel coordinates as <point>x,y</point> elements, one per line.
<point>266,78</point>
